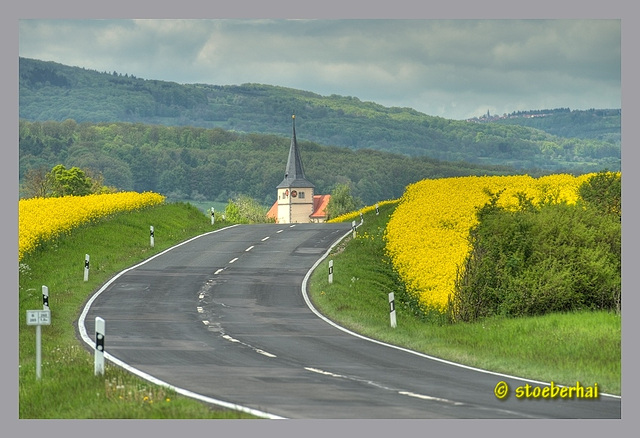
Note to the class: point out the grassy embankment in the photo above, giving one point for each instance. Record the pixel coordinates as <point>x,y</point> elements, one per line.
<point>68,387</point>
<point>564,348</point>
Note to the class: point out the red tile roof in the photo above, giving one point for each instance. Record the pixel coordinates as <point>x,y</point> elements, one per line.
<point>320,203</point>
<point>273,211</point>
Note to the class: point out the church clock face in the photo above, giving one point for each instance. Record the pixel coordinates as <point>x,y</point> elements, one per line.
<point>294,193</point>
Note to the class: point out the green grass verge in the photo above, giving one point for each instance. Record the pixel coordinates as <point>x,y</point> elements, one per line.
<point>563,348</point>
<point>68,388</point>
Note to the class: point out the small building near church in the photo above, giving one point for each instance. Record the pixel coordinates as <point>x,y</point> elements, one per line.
<point>297,201</point>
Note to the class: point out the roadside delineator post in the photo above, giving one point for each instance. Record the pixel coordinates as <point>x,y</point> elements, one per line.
<point>99,350</point>
<point>392,310</point>
<point>45,297</point>
<point>353,227</point>
<point>151,236</point>
<point>330,271</point>
<point>86,267</point>
<point>213,215</point>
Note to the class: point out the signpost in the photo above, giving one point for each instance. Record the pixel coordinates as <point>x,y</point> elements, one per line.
<point>39,318</point>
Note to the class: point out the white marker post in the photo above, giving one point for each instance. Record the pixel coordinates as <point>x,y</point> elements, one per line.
<point>330,271</point>
<point>353,227</point>
<point>213,215</point>
<point>392,310</point>
<point>99,353</point>
<point>45,297</point>
<point>38,318</point>
<point>361,218</point>
<point>377,210</point>
<point>86,267</point>
<point>151,236</point>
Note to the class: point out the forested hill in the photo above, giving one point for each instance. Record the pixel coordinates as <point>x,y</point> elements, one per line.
<point>54,92</point>
<point>601,124</point>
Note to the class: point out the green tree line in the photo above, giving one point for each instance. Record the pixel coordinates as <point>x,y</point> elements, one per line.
<point>185,162</point>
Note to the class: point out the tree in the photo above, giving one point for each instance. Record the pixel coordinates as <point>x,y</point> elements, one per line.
<point>246,210</point>
<point>69,182</point>
<point>36,183</point>
<point>341,201</point>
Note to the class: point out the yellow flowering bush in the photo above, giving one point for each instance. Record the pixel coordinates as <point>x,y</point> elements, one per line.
<point>42,219</point>
<point>427,235</point>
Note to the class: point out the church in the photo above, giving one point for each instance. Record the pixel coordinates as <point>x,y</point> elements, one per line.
<point>297,201</point>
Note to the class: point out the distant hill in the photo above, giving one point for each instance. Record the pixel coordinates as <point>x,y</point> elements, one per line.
<point>599,124</point>
<point>52,91</point>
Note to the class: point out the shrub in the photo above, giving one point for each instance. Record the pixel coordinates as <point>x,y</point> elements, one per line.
<point>553,258</point>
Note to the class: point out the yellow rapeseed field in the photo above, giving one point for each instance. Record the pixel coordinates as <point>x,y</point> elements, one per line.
<point>355,215</point>
<point>427,235</point>
<point>42,219</point>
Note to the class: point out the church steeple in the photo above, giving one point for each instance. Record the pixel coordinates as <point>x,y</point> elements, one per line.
<point>294,172</point>
<point>297,202</point>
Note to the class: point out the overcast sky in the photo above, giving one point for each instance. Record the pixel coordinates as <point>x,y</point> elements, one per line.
<point>450,68</point>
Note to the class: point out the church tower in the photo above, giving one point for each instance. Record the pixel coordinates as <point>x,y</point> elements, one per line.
<point>295,193</point>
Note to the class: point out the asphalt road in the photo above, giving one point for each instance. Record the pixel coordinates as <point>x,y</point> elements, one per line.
<point>222,318</point>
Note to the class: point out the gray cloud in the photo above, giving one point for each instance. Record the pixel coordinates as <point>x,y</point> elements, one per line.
<point>450,68</point>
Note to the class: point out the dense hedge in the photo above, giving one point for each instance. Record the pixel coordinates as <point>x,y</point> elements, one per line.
<point>550,257</point>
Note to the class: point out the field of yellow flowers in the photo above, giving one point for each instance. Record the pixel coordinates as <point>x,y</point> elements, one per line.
<point>355,215</point>
<point>43,219</point>
<point>427,235</point>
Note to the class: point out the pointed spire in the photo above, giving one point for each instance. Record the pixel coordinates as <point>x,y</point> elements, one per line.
<point>294,172</point>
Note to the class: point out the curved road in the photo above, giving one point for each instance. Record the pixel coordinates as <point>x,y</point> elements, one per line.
<point>222,318</point>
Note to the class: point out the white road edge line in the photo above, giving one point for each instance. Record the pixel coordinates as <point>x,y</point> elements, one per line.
<point>417,353</point>
<point>85,337</point>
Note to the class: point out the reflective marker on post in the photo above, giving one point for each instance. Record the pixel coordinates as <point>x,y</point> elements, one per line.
<point>353,226</point>
<point>99,353</point>
<point>152,237</point>
<point>392,310</point>
<point>86,267</point>
<point>213,215</point>
<point>377,210</point>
